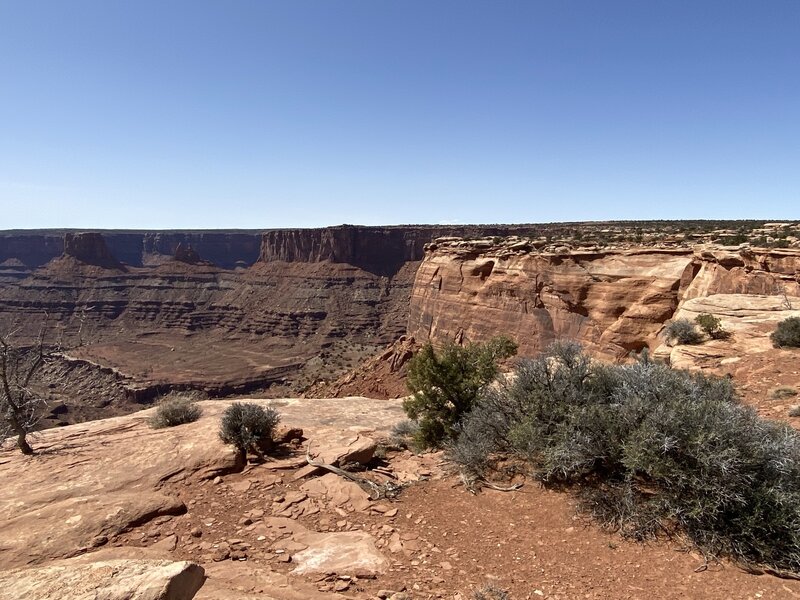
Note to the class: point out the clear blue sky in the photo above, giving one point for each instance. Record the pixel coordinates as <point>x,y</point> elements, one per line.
<point>256,114</point>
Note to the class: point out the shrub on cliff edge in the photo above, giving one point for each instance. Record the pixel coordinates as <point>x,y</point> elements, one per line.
<point>711,325</point>
<point>175,409</point>
<point>445,385</point>
<point>249,427</point>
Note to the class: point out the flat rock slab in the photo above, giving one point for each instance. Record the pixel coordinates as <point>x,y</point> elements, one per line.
<point>337,491</point>
<point>98,479</point>
<point>121,579</point>
<point>344,553</point>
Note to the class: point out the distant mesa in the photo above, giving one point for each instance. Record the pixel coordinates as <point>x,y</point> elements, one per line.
<point>90,248</point>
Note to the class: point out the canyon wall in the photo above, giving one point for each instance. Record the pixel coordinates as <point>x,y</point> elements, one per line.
<point>226,249</point>
<point>229,312</point>
<point>222,312</point>
<point>613,301</point>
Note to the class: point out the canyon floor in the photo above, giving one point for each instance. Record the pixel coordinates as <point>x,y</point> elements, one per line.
<point>133,508</point>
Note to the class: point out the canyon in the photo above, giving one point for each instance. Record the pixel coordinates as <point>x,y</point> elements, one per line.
<point>139,313</point>
<point>136,314</point>
<point>116,507</point>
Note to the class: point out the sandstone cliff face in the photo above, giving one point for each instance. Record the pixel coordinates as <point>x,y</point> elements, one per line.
<point>612,301</point>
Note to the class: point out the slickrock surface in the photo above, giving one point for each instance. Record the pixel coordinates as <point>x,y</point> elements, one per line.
<point>92,481</point>
<point>275,531</point>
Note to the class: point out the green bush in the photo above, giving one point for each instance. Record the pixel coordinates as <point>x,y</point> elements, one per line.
<point>682,331</point>
<point>175,409</point>
<point>445,384</point>
<point>249,427</point>
<point>711,325</point>
<point>652,450</point>
<point>787,333</point>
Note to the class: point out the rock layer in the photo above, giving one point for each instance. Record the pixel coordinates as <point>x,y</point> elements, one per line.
<point>612,301</point>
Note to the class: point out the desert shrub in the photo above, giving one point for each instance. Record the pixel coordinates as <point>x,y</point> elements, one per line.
<point>783,392</point>
<point>794,411</point>
<point>403,432</point>
<point>248,426</point>
<point>711,325</point>
<point>174,409</point>
<point>652,450</point>
<point>445,384</point>
<point>682,331</point>
<point>787,333</point>
<point>490,592</point>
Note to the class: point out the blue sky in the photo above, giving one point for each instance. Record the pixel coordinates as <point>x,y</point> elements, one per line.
<point>258,114</point>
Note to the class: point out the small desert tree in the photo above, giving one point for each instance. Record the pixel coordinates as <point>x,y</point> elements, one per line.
<point>711,325</point>
<point>20,406</point>
<point>447,383</point>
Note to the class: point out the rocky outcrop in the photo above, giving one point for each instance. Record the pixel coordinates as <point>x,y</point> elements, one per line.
<point>90,482</point>
<point>613,301</point>
<point>87,485</point>
<point>109,579</point>
<point>90,249</point>
<point>382,376</point>
<point>379,250</point>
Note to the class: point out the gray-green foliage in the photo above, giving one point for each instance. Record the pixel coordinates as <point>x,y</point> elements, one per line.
<point>650,450</point>
<point>682,331</point>
<point>446,383</point>
<point>248,426</point>
<point>490,592</point>
<point>787,333</point>
<point>175,409</point>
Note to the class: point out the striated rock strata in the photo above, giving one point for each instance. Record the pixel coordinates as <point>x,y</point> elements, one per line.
<point>223,312</point>
<point>613,301</point>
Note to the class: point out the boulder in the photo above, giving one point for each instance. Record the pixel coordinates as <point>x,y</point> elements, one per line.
<point>119,579</point>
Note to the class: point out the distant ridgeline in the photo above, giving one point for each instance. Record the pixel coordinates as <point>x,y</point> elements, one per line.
<point>376,249</point>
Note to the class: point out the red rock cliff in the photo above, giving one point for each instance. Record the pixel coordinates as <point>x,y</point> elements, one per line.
<point>612,301</point>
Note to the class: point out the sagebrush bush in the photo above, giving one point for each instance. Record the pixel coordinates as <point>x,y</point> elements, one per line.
<point>249,427</point>
<point>175,409</point>
<point>682,331</point>
<point>787,333</point>
<point>490,592</point>
<point>445,384</point>
<point>403,432</point>
<point>783,392</point>
<point>652,450</point>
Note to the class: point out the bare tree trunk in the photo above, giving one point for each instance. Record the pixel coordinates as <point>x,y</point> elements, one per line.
<point>22,436</point>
